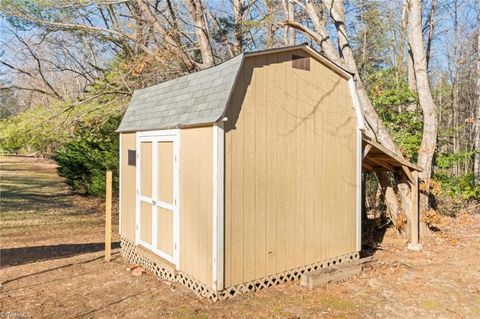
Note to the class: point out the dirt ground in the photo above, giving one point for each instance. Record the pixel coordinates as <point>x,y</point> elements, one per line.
<point>52,267</point>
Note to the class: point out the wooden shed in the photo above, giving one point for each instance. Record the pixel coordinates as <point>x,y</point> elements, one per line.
<point>243,175</point>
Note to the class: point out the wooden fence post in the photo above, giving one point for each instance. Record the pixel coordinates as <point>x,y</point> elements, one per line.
<point>108,216</point>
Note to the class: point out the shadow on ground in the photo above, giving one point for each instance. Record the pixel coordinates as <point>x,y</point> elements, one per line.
<point>25,255</point>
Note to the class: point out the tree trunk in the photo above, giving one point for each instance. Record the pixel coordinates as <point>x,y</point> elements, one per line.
<point>393,205</point>
<point>402,37</point>
<point>238,12</point>
<point>477,111</point>
<point>346,59</point>
<point>170,43</point>
<point>376,125</point>
<point>429,139</point>
<point>412,83</point>
<point>374,122</point>
<point>431,26</point>
<point>291,15</point>
<point>270,24</point>
<point>289,32</point>
<point>195,8</point>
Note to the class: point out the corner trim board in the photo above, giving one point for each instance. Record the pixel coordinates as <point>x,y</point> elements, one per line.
<point>120,184</point>
<point>218,207</point>
<point>359,189</point>
<point>356,103</point>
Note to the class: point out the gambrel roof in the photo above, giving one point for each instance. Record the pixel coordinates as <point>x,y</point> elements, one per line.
<point>202,98</point>
<point>194,99</point>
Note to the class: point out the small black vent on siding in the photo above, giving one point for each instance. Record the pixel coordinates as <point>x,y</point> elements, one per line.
<point>300,62</point>
<point>132,157</point>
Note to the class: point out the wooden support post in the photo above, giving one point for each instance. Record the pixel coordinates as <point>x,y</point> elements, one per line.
<point>409,175</point>
<point>367,149</point>
<point>414,242</point>
<point>108,216</point>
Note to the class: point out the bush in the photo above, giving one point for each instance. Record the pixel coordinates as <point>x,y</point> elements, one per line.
<point>462,186</point>
<point>33,131</point>
<point>84,160</point>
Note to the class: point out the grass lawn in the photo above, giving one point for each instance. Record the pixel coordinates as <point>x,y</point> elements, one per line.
<point>52,267</point>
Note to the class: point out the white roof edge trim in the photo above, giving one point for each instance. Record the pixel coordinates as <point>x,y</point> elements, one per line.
<point>234,85</point>
<point>326,61</point>
<point>356,103</point>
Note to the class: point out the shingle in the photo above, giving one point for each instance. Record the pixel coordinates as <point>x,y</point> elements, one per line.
<point>189,99</point>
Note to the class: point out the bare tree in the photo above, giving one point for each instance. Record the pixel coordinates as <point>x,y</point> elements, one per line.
<point>195,7</point>
<point>431,27</point>
<point>476,169</point>
<point>429,138</point>
<point>238,13</point>
<point>289,32</point>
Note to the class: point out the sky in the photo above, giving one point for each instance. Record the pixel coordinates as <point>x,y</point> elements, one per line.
<point>443,43</point>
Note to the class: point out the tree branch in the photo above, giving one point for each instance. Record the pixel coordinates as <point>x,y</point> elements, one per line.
<point>16,69</point>
<point>17,87</point>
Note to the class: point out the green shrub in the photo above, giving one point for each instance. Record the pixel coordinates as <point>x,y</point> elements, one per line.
<point>462,186</point>
<point>84,160</point>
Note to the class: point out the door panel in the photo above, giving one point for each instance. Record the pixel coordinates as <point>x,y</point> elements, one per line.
<point>165,172</point>
<point>165,230</point>
<point>165,209</point>
<point>146,169</point>
<point>146,222</point>
<point>146,207</point>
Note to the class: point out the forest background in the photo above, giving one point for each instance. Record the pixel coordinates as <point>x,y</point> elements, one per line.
<point>68,69</point>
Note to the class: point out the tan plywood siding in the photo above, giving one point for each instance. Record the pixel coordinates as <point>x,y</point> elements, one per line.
<point>127,187</point>
<point>290,176</point>
<point>196,203</point>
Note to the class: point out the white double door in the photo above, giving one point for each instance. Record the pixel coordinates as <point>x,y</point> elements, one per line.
<point>157,217</point>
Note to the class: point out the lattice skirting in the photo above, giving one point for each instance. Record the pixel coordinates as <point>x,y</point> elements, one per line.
<point>131,255</point>
<point>285,276</point>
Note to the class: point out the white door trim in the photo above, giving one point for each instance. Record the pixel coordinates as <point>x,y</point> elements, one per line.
<point>154,137</point>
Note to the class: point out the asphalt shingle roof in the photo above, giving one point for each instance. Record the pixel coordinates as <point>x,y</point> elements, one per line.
<point>197,98</point>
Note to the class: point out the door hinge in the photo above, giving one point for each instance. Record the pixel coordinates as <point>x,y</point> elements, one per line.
<point>175,246</point>
<point>136,226</point>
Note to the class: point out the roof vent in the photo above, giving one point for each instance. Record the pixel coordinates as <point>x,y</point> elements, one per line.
<point>300,62</point>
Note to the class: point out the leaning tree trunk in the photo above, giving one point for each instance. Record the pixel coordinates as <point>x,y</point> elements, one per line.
<point>376,125</point>
<point>476,165</point>
<point>345,59</point>
<point>429,139</point>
